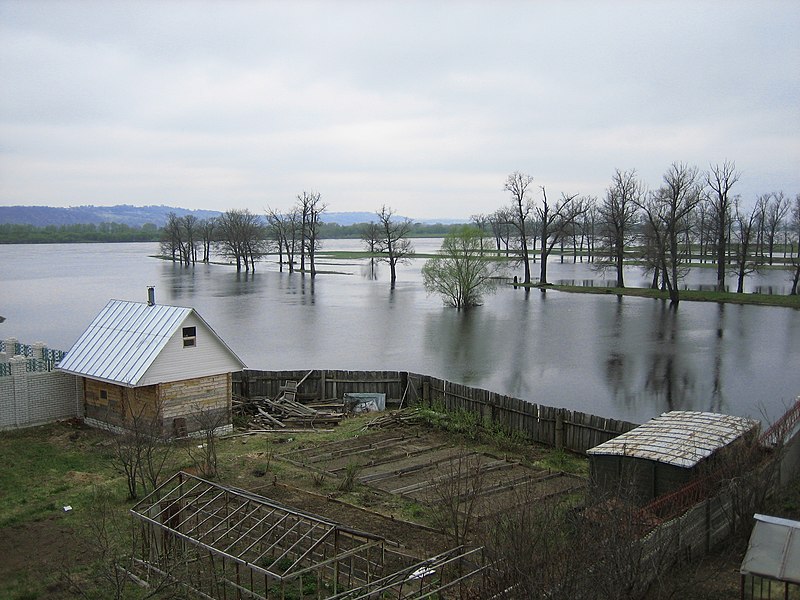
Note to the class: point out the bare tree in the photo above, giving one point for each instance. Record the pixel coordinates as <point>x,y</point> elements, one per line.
<point>242,238</point>
<point>204,455</point>
<point>481,222</point>
<point>775,211</point>
<point>619,214</point>
<point>667,212</point>
<point>794,259</point>
<point>744,261</point>
<point>207,231</point>
<point>500,223</point>
<point>517,185</point>
<point>546,548</point>
<point>171,238</point>
<point>720,179</point>
<point>455,494</point>
<point>142,449</point>
<point>555,222</point>
<point>587,225</point>
<point>705,228</point>
<point>285,229</point>
<point>370,235</point>
<point>310,207</point>
<point>112,541</point>
<point>190,226</point>
<point>393,242</point>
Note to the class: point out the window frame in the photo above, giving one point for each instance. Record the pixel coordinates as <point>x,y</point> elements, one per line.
<point>189,334</point>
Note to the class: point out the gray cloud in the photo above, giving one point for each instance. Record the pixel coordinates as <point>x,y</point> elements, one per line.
<point>423,106</point>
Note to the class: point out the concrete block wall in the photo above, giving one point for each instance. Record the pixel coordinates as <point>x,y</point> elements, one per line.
<point>34,397</point>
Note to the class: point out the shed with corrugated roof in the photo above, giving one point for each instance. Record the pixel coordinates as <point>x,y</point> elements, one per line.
<point>666,452</point>
<point>148,362</point>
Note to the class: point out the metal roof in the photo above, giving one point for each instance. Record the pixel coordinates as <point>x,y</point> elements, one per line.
<point>681,438</point>
<point>123,341</point>
<point>774,549</point>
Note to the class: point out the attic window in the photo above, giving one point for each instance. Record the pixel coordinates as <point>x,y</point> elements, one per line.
<point>189,337</point>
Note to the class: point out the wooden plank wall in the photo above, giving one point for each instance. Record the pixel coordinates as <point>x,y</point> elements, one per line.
<point>571,430</point>
<point>321,384</point>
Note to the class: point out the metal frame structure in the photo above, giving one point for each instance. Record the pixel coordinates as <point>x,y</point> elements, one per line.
<point>224,543</point>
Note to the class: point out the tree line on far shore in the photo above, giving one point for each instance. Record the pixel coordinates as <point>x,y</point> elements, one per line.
<point>18,233</point>
<point>693,217</point>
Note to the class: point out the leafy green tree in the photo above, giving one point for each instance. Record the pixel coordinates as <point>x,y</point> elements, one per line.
<point>461,274</point>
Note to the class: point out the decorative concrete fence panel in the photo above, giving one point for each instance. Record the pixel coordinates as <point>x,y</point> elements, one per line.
<point>31,393</point>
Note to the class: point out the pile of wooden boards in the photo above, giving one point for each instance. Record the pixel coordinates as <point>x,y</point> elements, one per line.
<point>394,419</point>
<point>268,413</point>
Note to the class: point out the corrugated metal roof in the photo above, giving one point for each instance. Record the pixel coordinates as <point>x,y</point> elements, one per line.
<point>123,341</point>
<point>681,438</point>
<point>774,549</point>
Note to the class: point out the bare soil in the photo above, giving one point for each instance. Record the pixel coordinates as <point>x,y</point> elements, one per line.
<point>42,549</point>
<point>386,459</point>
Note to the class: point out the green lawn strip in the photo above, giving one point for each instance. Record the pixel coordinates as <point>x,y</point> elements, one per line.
<point>688,295</point>
<point>39,477</point>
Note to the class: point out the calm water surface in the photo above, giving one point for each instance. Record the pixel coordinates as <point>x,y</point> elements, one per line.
<point>628,358</point>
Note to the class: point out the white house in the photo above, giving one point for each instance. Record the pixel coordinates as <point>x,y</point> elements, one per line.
<point>142,359</point>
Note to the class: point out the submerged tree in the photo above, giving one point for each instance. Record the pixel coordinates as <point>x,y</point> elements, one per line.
<point>667,214</point>
<point>555,222</point>
<point>519,216</point>
<point>461,274</point>
<point>207,231</point>
<point>284,228</point>
<point>720,179</point>
<point>309,207</point>
<point>618,214</point>
<point>500,223</point>
<point>241,238</point>
<point>776,207</point>
<point>794,259</point>
<point>744,260</point>
<point>393,242</point>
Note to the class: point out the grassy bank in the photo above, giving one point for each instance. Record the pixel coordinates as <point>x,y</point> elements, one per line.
<point>685,295</point>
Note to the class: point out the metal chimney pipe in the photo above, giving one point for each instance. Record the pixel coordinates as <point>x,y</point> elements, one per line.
<point>151,295</point>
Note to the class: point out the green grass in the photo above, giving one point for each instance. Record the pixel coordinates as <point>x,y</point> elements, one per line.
<point>568,462</point>
<point>39,476</point>
<point>685,295</point>
<point>45,468</point>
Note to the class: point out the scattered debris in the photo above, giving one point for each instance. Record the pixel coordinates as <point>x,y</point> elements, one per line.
<point>265,413</point>
<point>393,419</point>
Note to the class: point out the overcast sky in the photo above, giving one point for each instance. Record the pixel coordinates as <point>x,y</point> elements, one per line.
<point>423,106</point>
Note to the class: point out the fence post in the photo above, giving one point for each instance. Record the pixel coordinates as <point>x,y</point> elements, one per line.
<point>19,377</point>
<point>559,432</point>
<point>11,346</point>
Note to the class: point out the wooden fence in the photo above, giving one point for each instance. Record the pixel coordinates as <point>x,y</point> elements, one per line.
<point>558,427</point>
<point>320,384</point>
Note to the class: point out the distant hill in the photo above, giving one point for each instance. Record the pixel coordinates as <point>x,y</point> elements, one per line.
<point>136,216</point>
<point>351,218</point>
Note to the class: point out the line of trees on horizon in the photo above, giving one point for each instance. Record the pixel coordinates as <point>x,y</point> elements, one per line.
<point>692,216</point>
